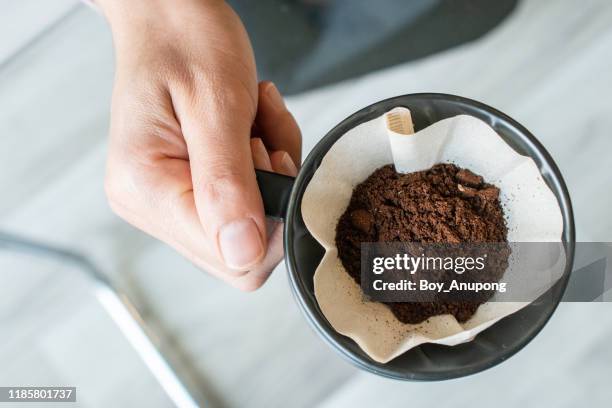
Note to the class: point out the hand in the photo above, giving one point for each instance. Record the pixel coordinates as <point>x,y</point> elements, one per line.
<point>181,158</point>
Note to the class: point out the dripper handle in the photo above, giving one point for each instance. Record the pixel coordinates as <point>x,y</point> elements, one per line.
<point>275,191</point>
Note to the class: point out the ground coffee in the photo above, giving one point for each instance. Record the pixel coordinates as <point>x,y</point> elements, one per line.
<point>445,204</point>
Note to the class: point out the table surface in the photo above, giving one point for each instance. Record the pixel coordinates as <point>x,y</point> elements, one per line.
<point>548,66</point>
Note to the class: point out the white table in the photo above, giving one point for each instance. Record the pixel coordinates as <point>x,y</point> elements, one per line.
<point>549,66</point>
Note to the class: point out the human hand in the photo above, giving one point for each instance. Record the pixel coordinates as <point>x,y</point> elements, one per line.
<point>181,158</point>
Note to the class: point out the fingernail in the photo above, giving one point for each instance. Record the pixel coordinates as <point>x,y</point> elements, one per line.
<point>289,168</point>
<point>240,243</point>
<point>275,97</point>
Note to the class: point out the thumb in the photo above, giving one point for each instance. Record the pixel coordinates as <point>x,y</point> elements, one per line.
<point>226,195</point>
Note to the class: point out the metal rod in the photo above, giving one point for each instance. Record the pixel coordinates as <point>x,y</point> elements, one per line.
<point>121,310</point>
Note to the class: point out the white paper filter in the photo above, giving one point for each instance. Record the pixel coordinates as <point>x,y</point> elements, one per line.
<point>531,209</point>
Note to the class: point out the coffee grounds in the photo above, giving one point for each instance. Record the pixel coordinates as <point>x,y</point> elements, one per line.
<point>445,204</point>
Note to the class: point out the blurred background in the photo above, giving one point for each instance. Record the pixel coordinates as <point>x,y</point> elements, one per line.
<point>547,63</point>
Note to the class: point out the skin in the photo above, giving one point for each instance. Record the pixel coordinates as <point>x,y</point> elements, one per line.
<point>189,124</point>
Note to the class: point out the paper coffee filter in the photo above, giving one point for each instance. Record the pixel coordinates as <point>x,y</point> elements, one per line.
<point>531,209</point>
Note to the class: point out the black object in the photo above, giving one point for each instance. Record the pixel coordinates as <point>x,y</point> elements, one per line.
<point>428,361</point>
<point>304,44</point>
<point>275,192</point>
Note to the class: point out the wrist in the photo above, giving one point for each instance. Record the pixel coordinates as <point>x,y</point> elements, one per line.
<point>133,13</point>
